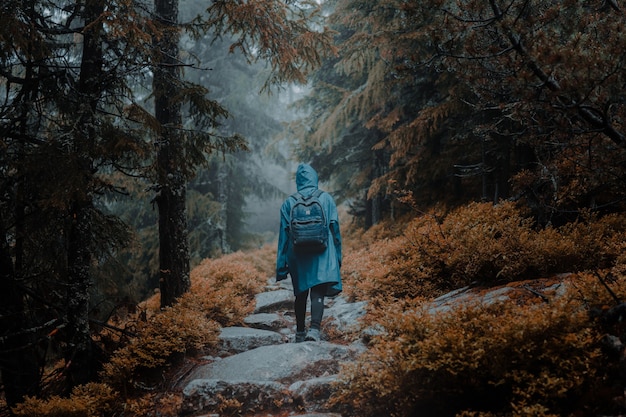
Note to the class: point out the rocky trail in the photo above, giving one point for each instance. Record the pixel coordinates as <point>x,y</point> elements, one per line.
<point>260,371</point>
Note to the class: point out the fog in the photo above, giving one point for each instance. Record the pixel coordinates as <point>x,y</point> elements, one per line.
<point>263,213</point>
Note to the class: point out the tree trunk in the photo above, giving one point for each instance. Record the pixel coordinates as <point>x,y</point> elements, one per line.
<point>19,364</point>
<point>374,206</point>
<point>173,249</point>
<point>79,350</point>
<point>18,361</point>
<point>222,198</point>
<point>79,345</point>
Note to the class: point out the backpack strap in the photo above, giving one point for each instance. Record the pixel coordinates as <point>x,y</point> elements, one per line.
<point>297,195</point>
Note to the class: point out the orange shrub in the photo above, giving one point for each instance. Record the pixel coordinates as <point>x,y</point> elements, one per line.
<point>176,329</point>
<point>479,243</point>
<point>155,404</point>
<point>501,358</point>
<point>91,400</point>
<point>539,359</point>
<point>222,293</point>
<point>225,288</point>
<point>364,268</point>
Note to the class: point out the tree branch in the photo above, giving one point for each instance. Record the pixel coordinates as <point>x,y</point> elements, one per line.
<point>600,122</point>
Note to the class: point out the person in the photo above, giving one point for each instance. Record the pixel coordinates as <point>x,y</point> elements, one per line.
<point>314,275</point>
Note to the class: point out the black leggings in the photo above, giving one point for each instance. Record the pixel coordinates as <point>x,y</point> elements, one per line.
<point>317,307</point>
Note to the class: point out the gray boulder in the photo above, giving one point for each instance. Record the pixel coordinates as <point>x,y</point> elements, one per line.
<point>265,321</point>
<point>285,363</point>
<point>241,339</point>
<point>259,372</point>
<point>344,315</point>
<point>274,300</point>
<point>294,375</point>
<point>211,394</point>
<point>314,392</point>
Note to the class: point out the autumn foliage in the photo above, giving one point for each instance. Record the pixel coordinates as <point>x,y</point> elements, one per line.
<point>155,341</point>
<point>225,287</point>
<point>538,351</point>
<point>85,400</point>
<point>222,294</point>
<point>535,353</point>
<point>479,243</point>
<point>533,359</point>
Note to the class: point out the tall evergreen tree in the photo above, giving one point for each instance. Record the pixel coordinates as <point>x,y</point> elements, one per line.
<point>19,365</point>
<point>550,74</point>
<point>70,121</point>
<point>79,257</point>
<point>174,278</point>
<point>481,90</point>
<point>63,124</point>
<point>235,83</point>
<point>372,113</point>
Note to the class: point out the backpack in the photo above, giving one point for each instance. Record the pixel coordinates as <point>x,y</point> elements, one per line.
<point>309,231</point>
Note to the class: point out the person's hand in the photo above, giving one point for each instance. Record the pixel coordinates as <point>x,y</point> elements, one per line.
<point>280,278</point>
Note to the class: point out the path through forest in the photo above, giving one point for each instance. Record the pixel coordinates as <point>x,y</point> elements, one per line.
<point>260,371</point>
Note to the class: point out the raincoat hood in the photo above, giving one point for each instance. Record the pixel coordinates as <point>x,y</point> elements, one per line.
<point>306,178</point>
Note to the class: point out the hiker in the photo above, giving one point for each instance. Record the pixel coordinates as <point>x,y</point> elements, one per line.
<point>314,271</point>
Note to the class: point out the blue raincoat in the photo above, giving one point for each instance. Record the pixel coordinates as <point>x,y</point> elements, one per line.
<point>309,270</point>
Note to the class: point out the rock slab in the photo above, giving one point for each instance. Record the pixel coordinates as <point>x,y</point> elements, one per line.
<point>287,363</point>
<point>256,371</point>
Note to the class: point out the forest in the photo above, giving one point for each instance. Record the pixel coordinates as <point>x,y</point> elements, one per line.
<point>146,147</point>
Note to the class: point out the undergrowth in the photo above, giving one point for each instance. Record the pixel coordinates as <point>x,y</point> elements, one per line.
<point>501,358</point>
<point>543,352</point>
<point>151,342</point>
<point>537,354</point>
<point>85,400</point>
<point>477,244</point>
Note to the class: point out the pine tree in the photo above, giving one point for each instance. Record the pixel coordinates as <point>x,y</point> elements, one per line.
<point>469,98</point>
<point>551,75</point>
<point>18,360</point>
<point>236,84</point>
<point>374,113</point>
<point>63,122</point>
<point>173,250</point>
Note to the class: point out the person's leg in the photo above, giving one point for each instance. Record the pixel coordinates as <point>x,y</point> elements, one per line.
<point>317,305</point>
<point>317,311</point>
<point>300,310</point>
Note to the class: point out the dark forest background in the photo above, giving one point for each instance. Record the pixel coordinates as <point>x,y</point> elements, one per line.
<point>138,139</point>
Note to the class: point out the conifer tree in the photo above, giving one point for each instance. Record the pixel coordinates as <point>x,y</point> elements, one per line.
<point>171,182</point>
<point>550,74</point>
<point>70,120</point>
<point>494,91</point>
<point>18,364</point>
<point>372,112</point>
<point>79,258</point>
<point>63,121</point>
<point>253,115</point>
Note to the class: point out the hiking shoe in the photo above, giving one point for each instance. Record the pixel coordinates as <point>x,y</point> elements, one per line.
<point>313,335</point>
<point>300,336</point>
